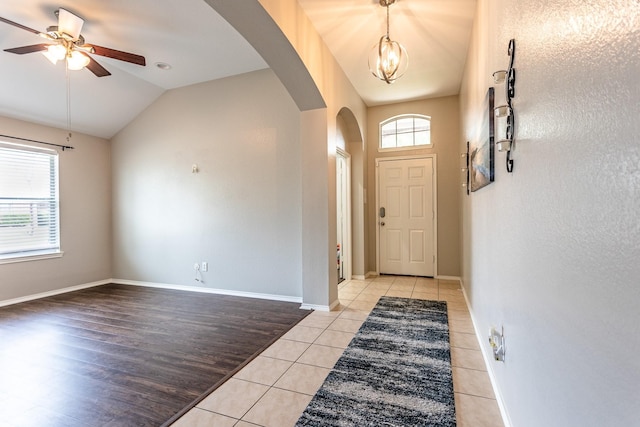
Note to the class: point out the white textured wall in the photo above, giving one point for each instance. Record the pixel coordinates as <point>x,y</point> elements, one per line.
<point>241,213</point>
<point>552,251</point>
<point>85,216</point>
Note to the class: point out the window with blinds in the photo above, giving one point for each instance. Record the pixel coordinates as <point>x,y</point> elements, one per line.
<point>29,212</point>
<point>405,132</point>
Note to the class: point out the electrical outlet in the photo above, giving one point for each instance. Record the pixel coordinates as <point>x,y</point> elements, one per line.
<point>205,266</point>
<point>496,341</point>
<point>196,266</point>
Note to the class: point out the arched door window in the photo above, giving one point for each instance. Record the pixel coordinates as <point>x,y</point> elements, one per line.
<point>405,132</point>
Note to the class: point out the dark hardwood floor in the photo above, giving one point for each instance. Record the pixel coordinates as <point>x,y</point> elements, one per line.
<point>118,355</point>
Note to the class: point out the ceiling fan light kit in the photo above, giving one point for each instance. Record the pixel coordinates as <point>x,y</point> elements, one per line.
<point>77,60</point>
<point>55,53</point>
<point>388,59</point>
<point>66,43</point>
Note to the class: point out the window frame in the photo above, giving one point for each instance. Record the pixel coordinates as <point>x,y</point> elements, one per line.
<point>52,200</point>
<point>406,147</point>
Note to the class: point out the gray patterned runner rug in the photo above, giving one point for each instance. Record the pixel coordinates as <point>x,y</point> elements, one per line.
<point>395,372</point>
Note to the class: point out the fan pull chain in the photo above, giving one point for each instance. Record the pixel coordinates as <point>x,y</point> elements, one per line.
<point>68,101</point>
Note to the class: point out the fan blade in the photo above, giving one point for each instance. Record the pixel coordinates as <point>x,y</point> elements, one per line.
<point>96,68</point>
<point>117,54</point>
<point>22,27</point>
<point>69,23</point>
<point>28,49</point>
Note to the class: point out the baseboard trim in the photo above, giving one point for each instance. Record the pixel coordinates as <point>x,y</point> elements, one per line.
<point>271,297</point>
<point>487,361</point>
<point>454,278</point>
<point>315,307</point>
<point>364,276</point>
<point>325,308</point>
<point>52,293</point>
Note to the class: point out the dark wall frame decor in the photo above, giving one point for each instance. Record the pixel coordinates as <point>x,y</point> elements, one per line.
<point>481,150</point>
<point>467,166</point>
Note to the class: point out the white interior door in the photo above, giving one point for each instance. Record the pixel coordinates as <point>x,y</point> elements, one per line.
<point>406,217</point>
<point>343,212</point>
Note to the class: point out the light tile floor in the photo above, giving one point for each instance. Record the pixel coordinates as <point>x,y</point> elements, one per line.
<point>275,388</point>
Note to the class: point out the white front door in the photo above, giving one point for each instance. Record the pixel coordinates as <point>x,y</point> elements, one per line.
<point>406,217</point>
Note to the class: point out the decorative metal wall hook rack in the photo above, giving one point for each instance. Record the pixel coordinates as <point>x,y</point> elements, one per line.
<point>508,77</point>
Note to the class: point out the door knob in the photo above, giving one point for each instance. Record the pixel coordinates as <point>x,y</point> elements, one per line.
<point>382,223</point>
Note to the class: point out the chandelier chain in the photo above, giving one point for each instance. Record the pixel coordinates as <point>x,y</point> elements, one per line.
<point>388,38</point>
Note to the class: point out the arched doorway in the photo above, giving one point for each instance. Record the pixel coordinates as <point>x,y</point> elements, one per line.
<point>350,179</point>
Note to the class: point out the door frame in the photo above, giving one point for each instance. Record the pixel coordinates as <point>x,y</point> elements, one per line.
<point>434,183</point>
<point>346,250</point>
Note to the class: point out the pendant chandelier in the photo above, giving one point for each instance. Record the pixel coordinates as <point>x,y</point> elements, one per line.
<point>388,59</point>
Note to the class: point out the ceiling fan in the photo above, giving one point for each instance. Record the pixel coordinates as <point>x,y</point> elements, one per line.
<point>66,43</point>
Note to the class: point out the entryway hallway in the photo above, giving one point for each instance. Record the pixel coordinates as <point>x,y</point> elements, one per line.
<point>274,389</point>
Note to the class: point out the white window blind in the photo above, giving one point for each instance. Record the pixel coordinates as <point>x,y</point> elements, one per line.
<point>29,208</point>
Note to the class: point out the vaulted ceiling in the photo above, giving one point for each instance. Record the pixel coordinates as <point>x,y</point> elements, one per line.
<point>200,46</point>
<point>435,33</point>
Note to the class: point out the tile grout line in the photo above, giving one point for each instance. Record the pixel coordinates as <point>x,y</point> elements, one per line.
<point>247,411</point>
<point>475,395</point>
